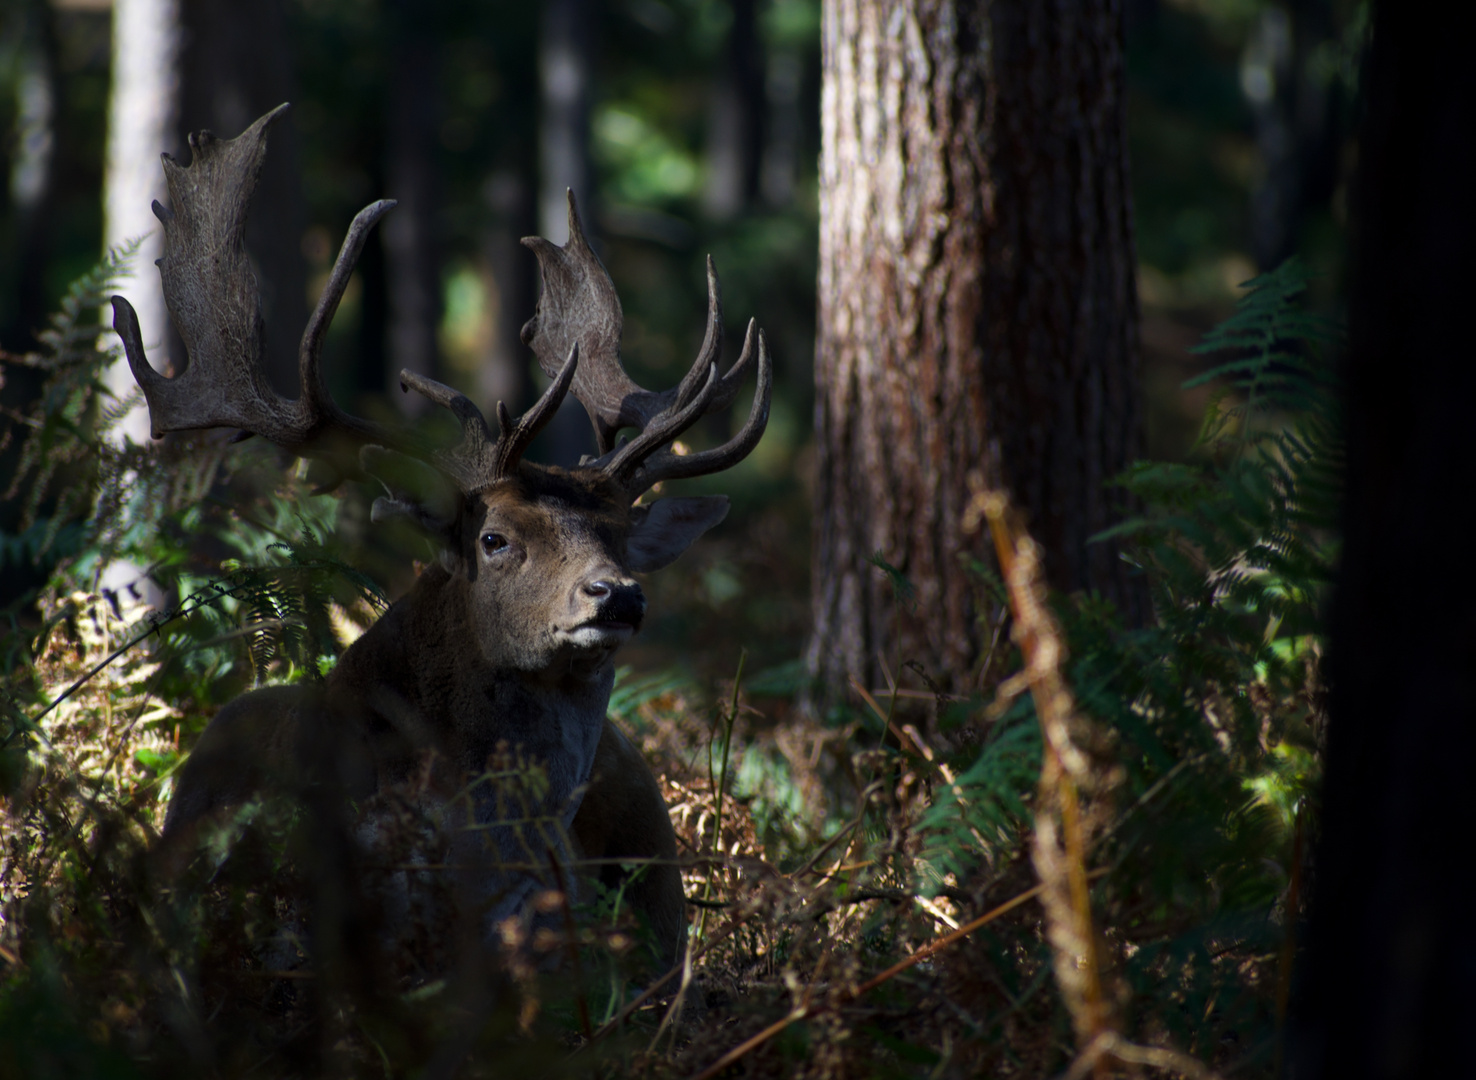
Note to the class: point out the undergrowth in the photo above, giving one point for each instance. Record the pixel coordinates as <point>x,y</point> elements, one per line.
<point>831,864</point>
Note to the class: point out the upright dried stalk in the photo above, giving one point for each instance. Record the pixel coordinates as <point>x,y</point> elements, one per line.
<point>1075,781</point>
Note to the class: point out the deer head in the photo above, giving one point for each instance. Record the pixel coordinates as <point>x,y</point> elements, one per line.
<point>543,555</point>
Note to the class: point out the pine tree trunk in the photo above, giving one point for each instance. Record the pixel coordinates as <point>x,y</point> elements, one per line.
<point>977,314</point>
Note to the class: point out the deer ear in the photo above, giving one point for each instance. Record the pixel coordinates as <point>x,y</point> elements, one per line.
<point>663,530</point>
<point>417,492</point>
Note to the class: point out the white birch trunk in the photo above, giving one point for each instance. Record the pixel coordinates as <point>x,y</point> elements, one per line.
<point>141,112</point>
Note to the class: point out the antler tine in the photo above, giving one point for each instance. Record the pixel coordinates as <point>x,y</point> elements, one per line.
<point>579,303</point>
<point>712,341</point>
<point>479,460</point>
<point>517,438</point>
<point>215,303</point>
<point>622,464</point>
<point>712,350</point>
<point>669,466</point>
<point>314,386</point>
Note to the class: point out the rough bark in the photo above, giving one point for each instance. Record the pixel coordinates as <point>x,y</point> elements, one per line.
<point>1387,989</point>
<point>977,312</point>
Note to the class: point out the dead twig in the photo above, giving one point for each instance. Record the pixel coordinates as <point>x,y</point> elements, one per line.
<point>805,1010</point>
<point>1110,1045</point>
<point>1059,844</point>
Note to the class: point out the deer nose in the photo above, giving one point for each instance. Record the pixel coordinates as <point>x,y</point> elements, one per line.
<point>598,590</point>
<point>615,600</point>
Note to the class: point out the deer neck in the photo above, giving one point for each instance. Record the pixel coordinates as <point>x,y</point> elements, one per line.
<point>465,707</point>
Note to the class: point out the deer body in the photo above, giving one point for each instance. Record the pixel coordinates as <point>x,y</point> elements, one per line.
<point>508,644</point>
<point>512,645</point>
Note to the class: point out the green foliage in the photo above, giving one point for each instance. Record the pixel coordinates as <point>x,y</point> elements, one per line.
<point>633,692</point>
<point>1212,711</point>
<point>67,458</point>
<point>1213,707</point>
<point>986,810</point>
<point>98,691</point>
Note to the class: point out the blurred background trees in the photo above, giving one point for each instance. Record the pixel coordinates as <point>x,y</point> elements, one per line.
<point>695,127</point>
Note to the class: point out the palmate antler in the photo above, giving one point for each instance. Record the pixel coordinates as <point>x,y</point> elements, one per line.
<point>214,301</point>
<point>579,308</point>
<point>215,304</point>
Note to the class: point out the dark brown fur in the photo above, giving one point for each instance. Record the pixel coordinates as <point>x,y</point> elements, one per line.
<point>480,654</point>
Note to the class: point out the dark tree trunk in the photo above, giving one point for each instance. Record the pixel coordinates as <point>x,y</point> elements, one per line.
<point>565,57</point>
<point>506,372</point>
<point>235,66</point>
<point>1294,105</point>
<point>787,73</point>
<point>735,139</point>
<point>31,158</point>
<point>410,236</point>
<point>977,312</point>
<point>565,68</point>
<point>1387,988</point>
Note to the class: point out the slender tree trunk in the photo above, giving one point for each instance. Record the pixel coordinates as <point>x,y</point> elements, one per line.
<point>1387,988</point>
<point>565,57</point>
<point>977,313</point>
<point>1293,104</point>
<point>142,111</point>
<point>735,138</point>
<point>787,72</point>
<point>141,116</point>
<point>32,172</point>
<point>565,62</point>
<point>410,235</point>
<point>505,372</point>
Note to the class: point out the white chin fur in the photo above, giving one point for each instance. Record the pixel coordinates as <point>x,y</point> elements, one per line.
<point>595,636</point>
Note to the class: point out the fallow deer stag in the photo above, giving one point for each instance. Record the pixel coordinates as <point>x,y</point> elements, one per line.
<point>509,640</point>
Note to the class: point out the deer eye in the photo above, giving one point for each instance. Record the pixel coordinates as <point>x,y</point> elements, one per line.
<point>492,543</point>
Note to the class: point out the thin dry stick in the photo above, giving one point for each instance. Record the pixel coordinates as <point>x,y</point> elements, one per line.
<point>1065,897</point>
<point>1004,612</point>
<point>871,780</point>
<point>1287,961</point>
<point>892,972</point>
<point>886,716</point>
<point>722,784</point>
<point>1109,1044</point>
<point>843,834</point>
<point>655,988</point>
<point>678,1001</point>
<point>1060,860</point>
<point>573,935</point>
